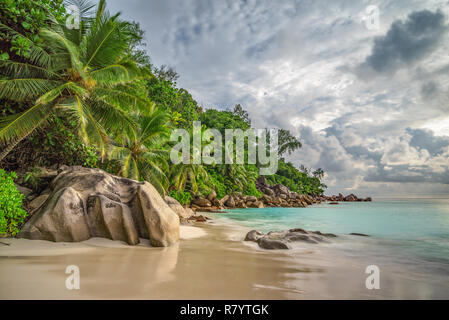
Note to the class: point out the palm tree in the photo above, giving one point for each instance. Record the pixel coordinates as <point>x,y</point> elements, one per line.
<point>236,174</point>
<point>188,174</point>
<point>80,73</point>
<point>319,174</point>
<point>142,155</point>
<point>182,175</point>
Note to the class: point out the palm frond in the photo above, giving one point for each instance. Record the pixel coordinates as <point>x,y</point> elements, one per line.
<point>153,173</point>
<point>123,99</point>
<point>15,69</point>
<point>70,87</point>
<point>91,131</point>
<point>112,118</point>
<point>117,73</point>
<point>154,127</point>
<point>18,126</point>
<point>100,10</point>
<point>105,42</point>
<point>85,7</point>
<point>26,89</point>
<point>63,46</point>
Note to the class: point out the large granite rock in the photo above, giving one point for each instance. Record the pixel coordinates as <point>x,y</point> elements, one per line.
<point>183,213</point>
<point>85,203</point>
<point>269,244</point>
<point>253,235</point>
<point>24,190</point>
<point>202,202</point>
<point>230,202</point>
<point>212,196</point>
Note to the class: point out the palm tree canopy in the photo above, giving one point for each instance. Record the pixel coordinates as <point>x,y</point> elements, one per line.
<point>82,73</point>
<point>142,155</point>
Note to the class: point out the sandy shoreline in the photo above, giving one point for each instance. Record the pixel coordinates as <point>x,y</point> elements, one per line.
<point>35,248</point>
<point>211,262</point>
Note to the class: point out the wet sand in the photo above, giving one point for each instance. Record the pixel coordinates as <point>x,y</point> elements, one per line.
<point>211,262</point>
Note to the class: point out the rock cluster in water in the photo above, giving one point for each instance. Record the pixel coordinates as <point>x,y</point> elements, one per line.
<point>273,196</point>
<point>282,239</point>
<point>342,198</point>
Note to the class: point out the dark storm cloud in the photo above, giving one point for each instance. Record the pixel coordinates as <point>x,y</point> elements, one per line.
<point>407,42</point>
<point>405,174</point>
<point>425,139</point>
<point>429,89</point>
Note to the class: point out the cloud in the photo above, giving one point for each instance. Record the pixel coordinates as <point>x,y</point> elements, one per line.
<point>429,89</point>
<point>291,65</point>
<point>407,42</point>
<point>426,140</point>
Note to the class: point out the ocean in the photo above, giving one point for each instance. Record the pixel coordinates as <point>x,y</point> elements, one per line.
<point>408,233</point>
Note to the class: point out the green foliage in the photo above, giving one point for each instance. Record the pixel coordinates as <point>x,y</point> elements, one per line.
<point>287,142</point>
<point>189,176</point>
<point>4,56</point>
<point>83,76</point>
<point>11,213</point>
<point>135,50</point>
<point>21,46</point>
<point>142,156</point>
<point>231,178</point>
<point>55,143</point>
<point>183,197</point>
<point>217,182</point>
<point>251,190</point>
<point>31,15</point>
<point>60,142</point>
<point>222,120</point>
<point>32,178</point>
<point>296,180</point>
<point>167,97</point>
<point>26,17</point>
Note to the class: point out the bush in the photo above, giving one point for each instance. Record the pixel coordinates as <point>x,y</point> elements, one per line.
<point>216,182</point>
<point>11,213</point>
<point>252,191</point>
<point>183,197</point>
<point>55,143</point>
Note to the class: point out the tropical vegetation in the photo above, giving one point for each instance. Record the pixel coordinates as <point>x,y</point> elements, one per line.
<point>90,96</point>
<point>11,212</point>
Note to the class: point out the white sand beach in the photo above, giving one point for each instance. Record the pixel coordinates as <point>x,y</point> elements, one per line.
<point>210,262</point>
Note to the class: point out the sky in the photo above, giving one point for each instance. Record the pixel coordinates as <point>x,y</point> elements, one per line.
<point>367,97</point>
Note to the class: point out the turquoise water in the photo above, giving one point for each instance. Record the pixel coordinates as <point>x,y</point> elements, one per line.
<point>407,231</point>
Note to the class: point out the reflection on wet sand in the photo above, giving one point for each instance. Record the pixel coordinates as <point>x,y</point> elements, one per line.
<point>213,266</point>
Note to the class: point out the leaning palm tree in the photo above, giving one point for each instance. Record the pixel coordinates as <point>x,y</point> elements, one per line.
<point>80,73</point>
<point>142,155</point>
